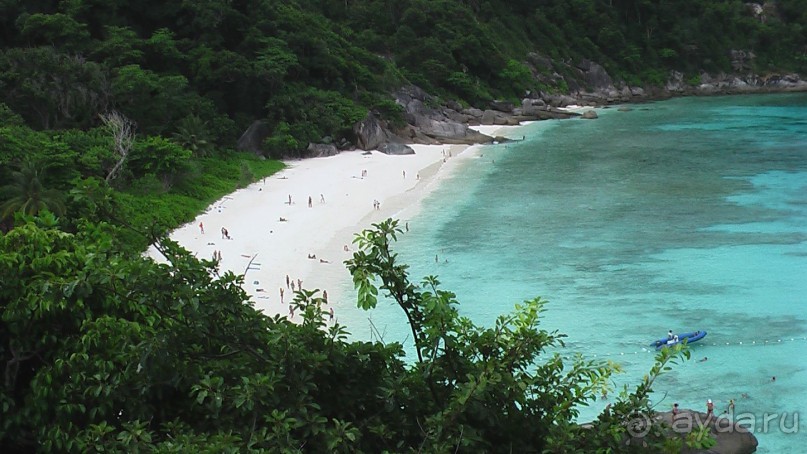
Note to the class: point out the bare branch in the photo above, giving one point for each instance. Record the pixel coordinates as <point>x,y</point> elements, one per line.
<point>123,134</point>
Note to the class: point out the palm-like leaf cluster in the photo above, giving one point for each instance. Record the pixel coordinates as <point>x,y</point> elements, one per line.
<point>28,193</point>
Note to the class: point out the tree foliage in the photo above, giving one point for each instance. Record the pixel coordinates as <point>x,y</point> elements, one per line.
<point>104,350</point>
<point>229,63</point>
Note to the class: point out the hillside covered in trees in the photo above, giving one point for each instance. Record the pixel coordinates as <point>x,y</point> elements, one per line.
<point>313,68</point>
<point>118,122</point>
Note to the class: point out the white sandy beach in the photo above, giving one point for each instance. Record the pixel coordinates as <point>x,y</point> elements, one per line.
<point>342,204</point>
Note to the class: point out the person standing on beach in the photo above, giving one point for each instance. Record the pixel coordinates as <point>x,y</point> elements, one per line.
<point>281,295</point>
<point>292,286</point>
<point>325,296</point>
<point>299,284</point>
<point>287,281</point>
<point>322,198</point>
<point>310,203</point>
<point>289,199</point>
<point>331,313</point>
<point>223,233</point>
<point>404,174</point>
<point>202,228</point>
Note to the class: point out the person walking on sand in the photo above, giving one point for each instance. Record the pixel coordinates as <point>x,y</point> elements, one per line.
<point>310,203</point>
<point>322,198</point>
<point>202,228</point>
<point>291,311</point>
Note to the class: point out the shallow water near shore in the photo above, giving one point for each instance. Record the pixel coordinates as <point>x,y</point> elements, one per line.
<point>687,214</point>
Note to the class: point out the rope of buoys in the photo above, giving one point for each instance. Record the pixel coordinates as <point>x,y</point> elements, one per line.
<point>763,342</point>
<point>739,343</point>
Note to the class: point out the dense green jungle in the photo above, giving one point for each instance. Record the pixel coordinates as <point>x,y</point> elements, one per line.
<point>118,122</point>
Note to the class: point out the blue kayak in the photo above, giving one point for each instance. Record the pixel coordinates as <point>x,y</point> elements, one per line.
<point>689,337</point>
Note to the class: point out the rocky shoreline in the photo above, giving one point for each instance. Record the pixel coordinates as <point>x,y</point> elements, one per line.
<point>430,121</point>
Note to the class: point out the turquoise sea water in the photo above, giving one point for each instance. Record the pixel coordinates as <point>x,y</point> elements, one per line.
<point>684,214</point>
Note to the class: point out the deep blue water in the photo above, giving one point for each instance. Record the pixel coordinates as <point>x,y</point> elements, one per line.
<point>683,214</point>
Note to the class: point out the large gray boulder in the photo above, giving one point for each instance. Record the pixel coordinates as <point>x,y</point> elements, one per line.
<point>555,114</point>
<point>318,150</point>
<point>252,139</point>
<point>595,75</point>
<point>473,112</point>
<point>589,115</point>
<point>370,133</point>
<point>488,117</point>
<point>452,132</point>
<point>394,148</point>
<point>556,100</point>
<point>415,103</point>
<point>502,106</point>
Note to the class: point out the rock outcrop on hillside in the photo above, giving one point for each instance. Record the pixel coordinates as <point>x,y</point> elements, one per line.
<point>591,85</point>
<point>731,438</point>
